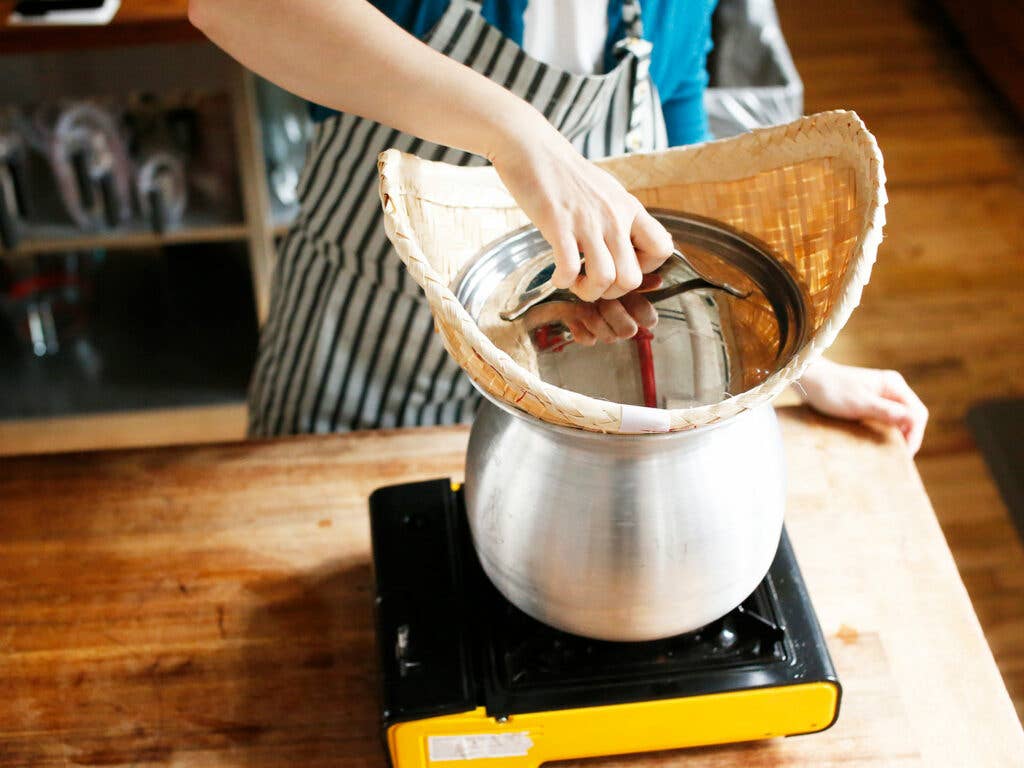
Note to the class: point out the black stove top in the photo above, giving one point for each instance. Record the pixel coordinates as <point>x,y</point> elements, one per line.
<point>526,655</point>
<point>449,641</point>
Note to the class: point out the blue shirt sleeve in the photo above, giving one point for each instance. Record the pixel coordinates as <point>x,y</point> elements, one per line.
<point>681,33</point>
<point>418,17</point>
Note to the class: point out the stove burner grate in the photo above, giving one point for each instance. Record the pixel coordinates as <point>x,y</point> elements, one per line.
<point>450,642</point>
<point>527,653</point>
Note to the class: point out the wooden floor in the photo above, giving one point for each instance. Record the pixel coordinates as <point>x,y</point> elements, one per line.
<point>946,301</point>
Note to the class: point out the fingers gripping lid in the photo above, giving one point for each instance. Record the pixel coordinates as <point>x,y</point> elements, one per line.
<point>811,192</point>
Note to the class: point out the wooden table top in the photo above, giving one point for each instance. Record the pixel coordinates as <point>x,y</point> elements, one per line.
<point>213,606</point>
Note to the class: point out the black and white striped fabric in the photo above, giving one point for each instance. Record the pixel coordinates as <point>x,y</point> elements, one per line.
<point>349,342</point>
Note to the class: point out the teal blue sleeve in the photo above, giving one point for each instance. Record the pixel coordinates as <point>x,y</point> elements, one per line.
<point>681,33</point>
<point>679,29</point>
<point>686,120</point>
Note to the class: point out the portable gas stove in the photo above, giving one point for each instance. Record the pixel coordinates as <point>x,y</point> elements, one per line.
<point>467,676</point>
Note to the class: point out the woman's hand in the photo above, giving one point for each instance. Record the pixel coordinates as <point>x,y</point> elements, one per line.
<point>322,52</point>
<point>580,209</point>
<point>610,320</point>
<point>605,321</point>
<point>865,394</point>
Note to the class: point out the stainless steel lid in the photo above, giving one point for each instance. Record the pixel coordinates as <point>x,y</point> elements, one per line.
<point>728,315</point>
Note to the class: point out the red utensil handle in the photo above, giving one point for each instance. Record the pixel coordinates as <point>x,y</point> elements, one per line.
<point>643,347</point>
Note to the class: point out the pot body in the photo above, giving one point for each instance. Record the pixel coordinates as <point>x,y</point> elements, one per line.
<point>622,537</point>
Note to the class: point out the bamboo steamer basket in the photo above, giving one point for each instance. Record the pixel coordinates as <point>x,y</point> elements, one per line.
<point>813,191</point>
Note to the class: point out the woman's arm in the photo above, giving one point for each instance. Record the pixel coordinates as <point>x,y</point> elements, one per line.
<point>865,394</point>
<point>346,55</point>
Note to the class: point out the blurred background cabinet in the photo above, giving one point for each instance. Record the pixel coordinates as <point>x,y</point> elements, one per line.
<point>993,31</point>
<point>144,177</point>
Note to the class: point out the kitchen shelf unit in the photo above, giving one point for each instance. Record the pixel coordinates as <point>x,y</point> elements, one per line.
<point>113,71</point>
<point>136,22</point>
<point>162,56</point>
<point>196,228</point>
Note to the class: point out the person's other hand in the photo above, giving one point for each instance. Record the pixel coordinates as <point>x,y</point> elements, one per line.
<point>609,320</point>
<point>581,209</point>
<point>865,394</point>
<point>604,320</point>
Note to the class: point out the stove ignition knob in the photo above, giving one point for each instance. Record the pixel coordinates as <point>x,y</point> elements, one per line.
<point>726,639</point>
<point>402,651</point>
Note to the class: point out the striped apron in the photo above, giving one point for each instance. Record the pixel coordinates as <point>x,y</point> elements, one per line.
<point>349,342</point>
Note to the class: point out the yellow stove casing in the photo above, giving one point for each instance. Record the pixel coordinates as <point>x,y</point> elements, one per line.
<point>529,739</point>
<point>466,678</point>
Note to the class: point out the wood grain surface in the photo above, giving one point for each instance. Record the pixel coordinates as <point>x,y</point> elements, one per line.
<point>129,429</point>
<point>993,30</point>
<point>213,606</point>
<point>946,301</point>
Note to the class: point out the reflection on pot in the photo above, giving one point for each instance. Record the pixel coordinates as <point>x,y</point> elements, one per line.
<point>715,323</point>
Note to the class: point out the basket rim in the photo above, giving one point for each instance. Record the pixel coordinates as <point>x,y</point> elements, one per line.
<point>624,436</point>
<point>841,131</point>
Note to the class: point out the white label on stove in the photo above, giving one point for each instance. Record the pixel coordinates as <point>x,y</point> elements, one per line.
<point>477,746</point>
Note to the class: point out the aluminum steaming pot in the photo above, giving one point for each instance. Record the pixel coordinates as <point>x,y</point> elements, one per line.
<point>634,537</point>
<point>623,537</point>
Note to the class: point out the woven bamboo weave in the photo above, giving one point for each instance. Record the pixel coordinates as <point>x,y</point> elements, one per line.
<point>812,190</point>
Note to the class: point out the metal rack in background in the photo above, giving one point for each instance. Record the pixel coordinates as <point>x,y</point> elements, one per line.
<point>91,169</point>
<point>164,199</point>
<point>132,276</point>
